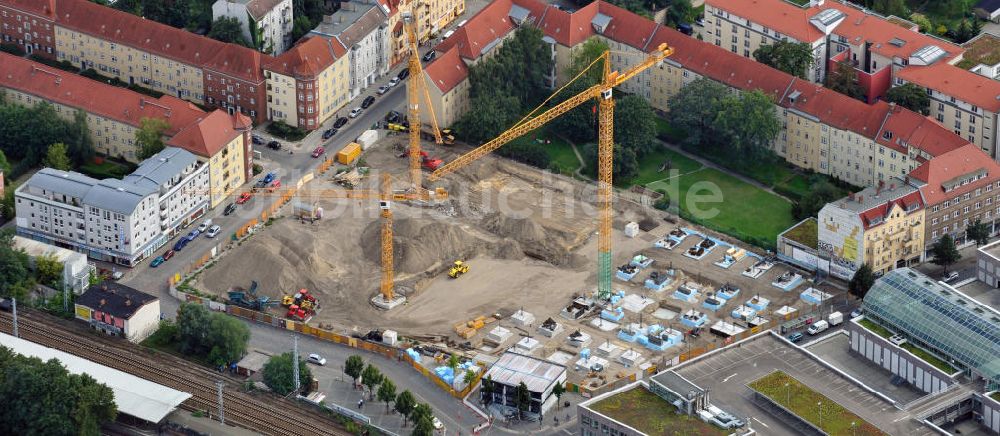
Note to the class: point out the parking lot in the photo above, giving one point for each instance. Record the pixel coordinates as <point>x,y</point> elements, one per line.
<point>726,373</point>
<point>835,349</point>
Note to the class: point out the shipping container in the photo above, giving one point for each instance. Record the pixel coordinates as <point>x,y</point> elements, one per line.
<point>349,153</point>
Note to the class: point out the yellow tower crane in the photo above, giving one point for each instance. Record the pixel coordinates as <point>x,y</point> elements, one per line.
<point>605,146</point>
<point>415,88</point>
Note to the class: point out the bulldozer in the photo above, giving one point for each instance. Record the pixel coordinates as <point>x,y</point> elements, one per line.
<point>457,269</point>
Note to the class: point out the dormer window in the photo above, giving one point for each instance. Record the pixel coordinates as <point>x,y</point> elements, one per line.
<point>600,22</point>
<point>887,135</point>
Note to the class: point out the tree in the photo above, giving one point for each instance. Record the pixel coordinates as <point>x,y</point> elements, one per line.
<point>149,136</point>
<point>494,112</point>
<point>371,377</point>
<point>13,269</point>
<point>56,157</point>
<point>922,22</point>
<point>486,387</point>
<point>44,398</point>
<point>469,377</point>
<point>844,80</point>
<point>679,12</point>
<point>522,399</point>
<point>193,323</point>
<point>423,427</point>
<point>695,108</point>
<point>217,336</point>
<point>27,132</point>
<point>747,123</point>
<point>386,393</point>
<point>279,375</point>
<point>862,281</point>
<point>4,164</point>
<point>979,232</point>
<point>635,125</point>
<point>300,27</point>
<point>422,411</point>
<point>80,148</point>
<point>404,404</point>
<point>910,96</point>
<point>944,253</point>
<point>791,57</point>
<point>580,124</point>
<point>558,390</point>
<point>229,29</point>
<point>624,165</point>
<point>453,362</point>
<point>586,54</point>
<point>49,270</point>
<point>353,367</point>
<point>820,193</point>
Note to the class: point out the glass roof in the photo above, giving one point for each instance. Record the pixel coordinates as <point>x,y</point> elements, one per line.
<point>950,323</point>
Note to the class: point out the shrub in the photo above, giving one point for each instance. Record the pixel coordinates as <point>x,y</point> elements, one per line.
<point>11,48</point>
<point>257,169</point>
<point>285,131</point>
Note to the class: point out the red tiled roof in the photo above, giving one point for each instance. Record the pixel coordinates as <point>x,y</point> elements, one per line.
<point>914,130</point>
<point>39,7</point>
<point>779,15</point>
<point>307,58</point>
<point>209,134</point>
<point>108,101</point>
<point>956,82</point>
<point>123,28</point>
<point>488,25</point>
<point>952,165</point>
<point>836,109</point>
<point>626,27</point>
<point>447,71</point>
<point>884,208</point>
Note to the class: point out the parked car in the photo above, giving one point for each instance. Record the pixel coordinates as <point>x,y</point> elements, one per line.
<point>256,139</point>
<point>818,327</point>
<point>168,254</point>
<point>949,276</point>
<point>795,337</point>
<point>856,313</point>
<point>429,56</point>
<point>269,177</point>
<point>437,423</point>
<point>274,145</point>
<point>194,234</point>
<point>244,197</point>
<point>355,112</point>
<point>328,133</point>
<point>181,243</point>
<point>340,122</point>
<point>213,231</point>
<point>382,89</point>
<point>274,184</point>
<point>403,74</point>
<point>260,185</point>
<point>318,152</point>
<point>316,359</point>
<point>393,116</point>
<point>205,225</point>
<point>229,209</point>
<point>367,102</point>
<point>156,262</point>
<point>394,81</point>
<point>835,318</point>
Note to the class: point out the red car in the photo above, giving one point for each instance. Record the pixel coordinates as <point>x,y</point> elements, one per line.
<point>274,185</point>
<point>245,197</point>
<point>168,254</point>
<point>318,152</point>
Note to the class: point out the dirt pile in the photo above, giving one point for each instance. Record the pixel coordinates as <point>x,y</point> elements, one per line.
<point>535,240</point>
<point>420,244</point>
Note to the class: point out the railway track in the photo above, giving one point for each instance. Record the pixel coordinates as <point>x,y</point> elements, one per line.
<point>277,416</point>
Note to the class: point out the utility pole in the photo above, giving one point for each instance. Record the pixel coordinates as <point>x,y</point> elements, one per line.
<point>13,305</point>
<point>65,298</point>
<point>222,410</point>
<point>295,363</point>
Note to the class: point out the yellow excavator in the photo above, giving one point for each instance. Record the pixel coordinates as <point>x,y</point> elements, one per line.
<point>457,269</point>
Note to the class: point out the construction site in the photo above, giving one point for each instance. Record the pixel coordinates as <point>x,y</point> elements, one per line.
<point>484,254</point>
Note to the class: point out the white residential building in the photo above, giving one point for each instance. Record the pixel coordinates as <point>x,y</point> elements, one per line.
<point>120,221</point>
<point>363,29</point>
<point>267,24</point>
<point>76,269</point>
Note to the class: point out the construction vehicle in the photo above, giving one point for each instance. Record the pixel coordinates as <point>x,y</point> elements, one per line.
<point>297,313</point>
<point>457,269</point>
<point>603,92</point>
<point>426,161</point>
<point>303,299</point>
<point>447,138</point>
<point>249,298</point>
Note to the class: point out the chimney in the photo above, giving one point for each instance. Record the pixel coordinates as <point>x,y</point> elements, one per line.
<point>906,179</point>
<point>128,302</point>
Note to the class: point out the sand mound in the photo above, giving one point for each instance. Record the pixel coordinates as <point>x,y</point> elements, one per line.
<point>535,240</point>
<point>420,244</point>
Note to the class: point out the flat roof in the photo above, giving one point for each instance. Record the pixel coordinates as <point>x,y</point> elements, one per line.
<point>134,396</point>
<point>637,407</point>
<point>992,249</point>
<point>512,369</point>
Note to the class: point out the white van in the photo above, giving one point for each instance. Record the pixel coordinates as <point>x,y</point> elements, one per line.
<point>835,318</point>
<point>819,327</point>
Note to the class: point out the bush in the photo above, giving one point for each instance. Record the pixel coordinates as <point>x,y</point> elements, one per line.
<point>11,48</point>
<point>62,65</point>
<point>528,153</point>
<point>257,169</point>
<point>286,132</point>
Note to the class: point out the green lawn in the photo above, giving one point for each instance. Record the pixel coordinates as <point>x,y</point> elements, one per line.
<point>745,211</point>
<point>995,396</point>
<point>812,406</point>
<point>649,166</point>
<point>106,170</point>
<point>645,411</point>
<point>560,151</point>
<point>875,328</point>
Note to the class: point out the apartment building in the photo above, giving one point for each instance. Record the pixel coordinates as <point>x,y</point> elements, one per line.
<point>121,221</point>
<point>876,47</point>
<point>113,113</point>
<point>223,143</point>
<point>447,87</point>
<point>309,83</point>
<point>267,24</point>
<point>138,51</point>
<point>959,187</point>
<point>362,29</point>
<point>882,226</point>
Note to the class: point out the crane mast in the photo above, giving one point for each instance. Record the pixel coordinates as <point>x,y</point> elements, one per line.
<point>605,145</point>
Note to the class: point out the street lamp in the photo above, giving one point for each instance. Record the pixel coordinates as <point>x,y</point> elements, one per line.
<point>788,394</point>
<point>819,406</point>
<point>854,428</point>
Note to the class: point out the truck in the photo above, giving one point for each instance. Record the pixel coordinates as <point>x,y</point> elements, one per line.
<point>835,318</point>
<point>819,327</point>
